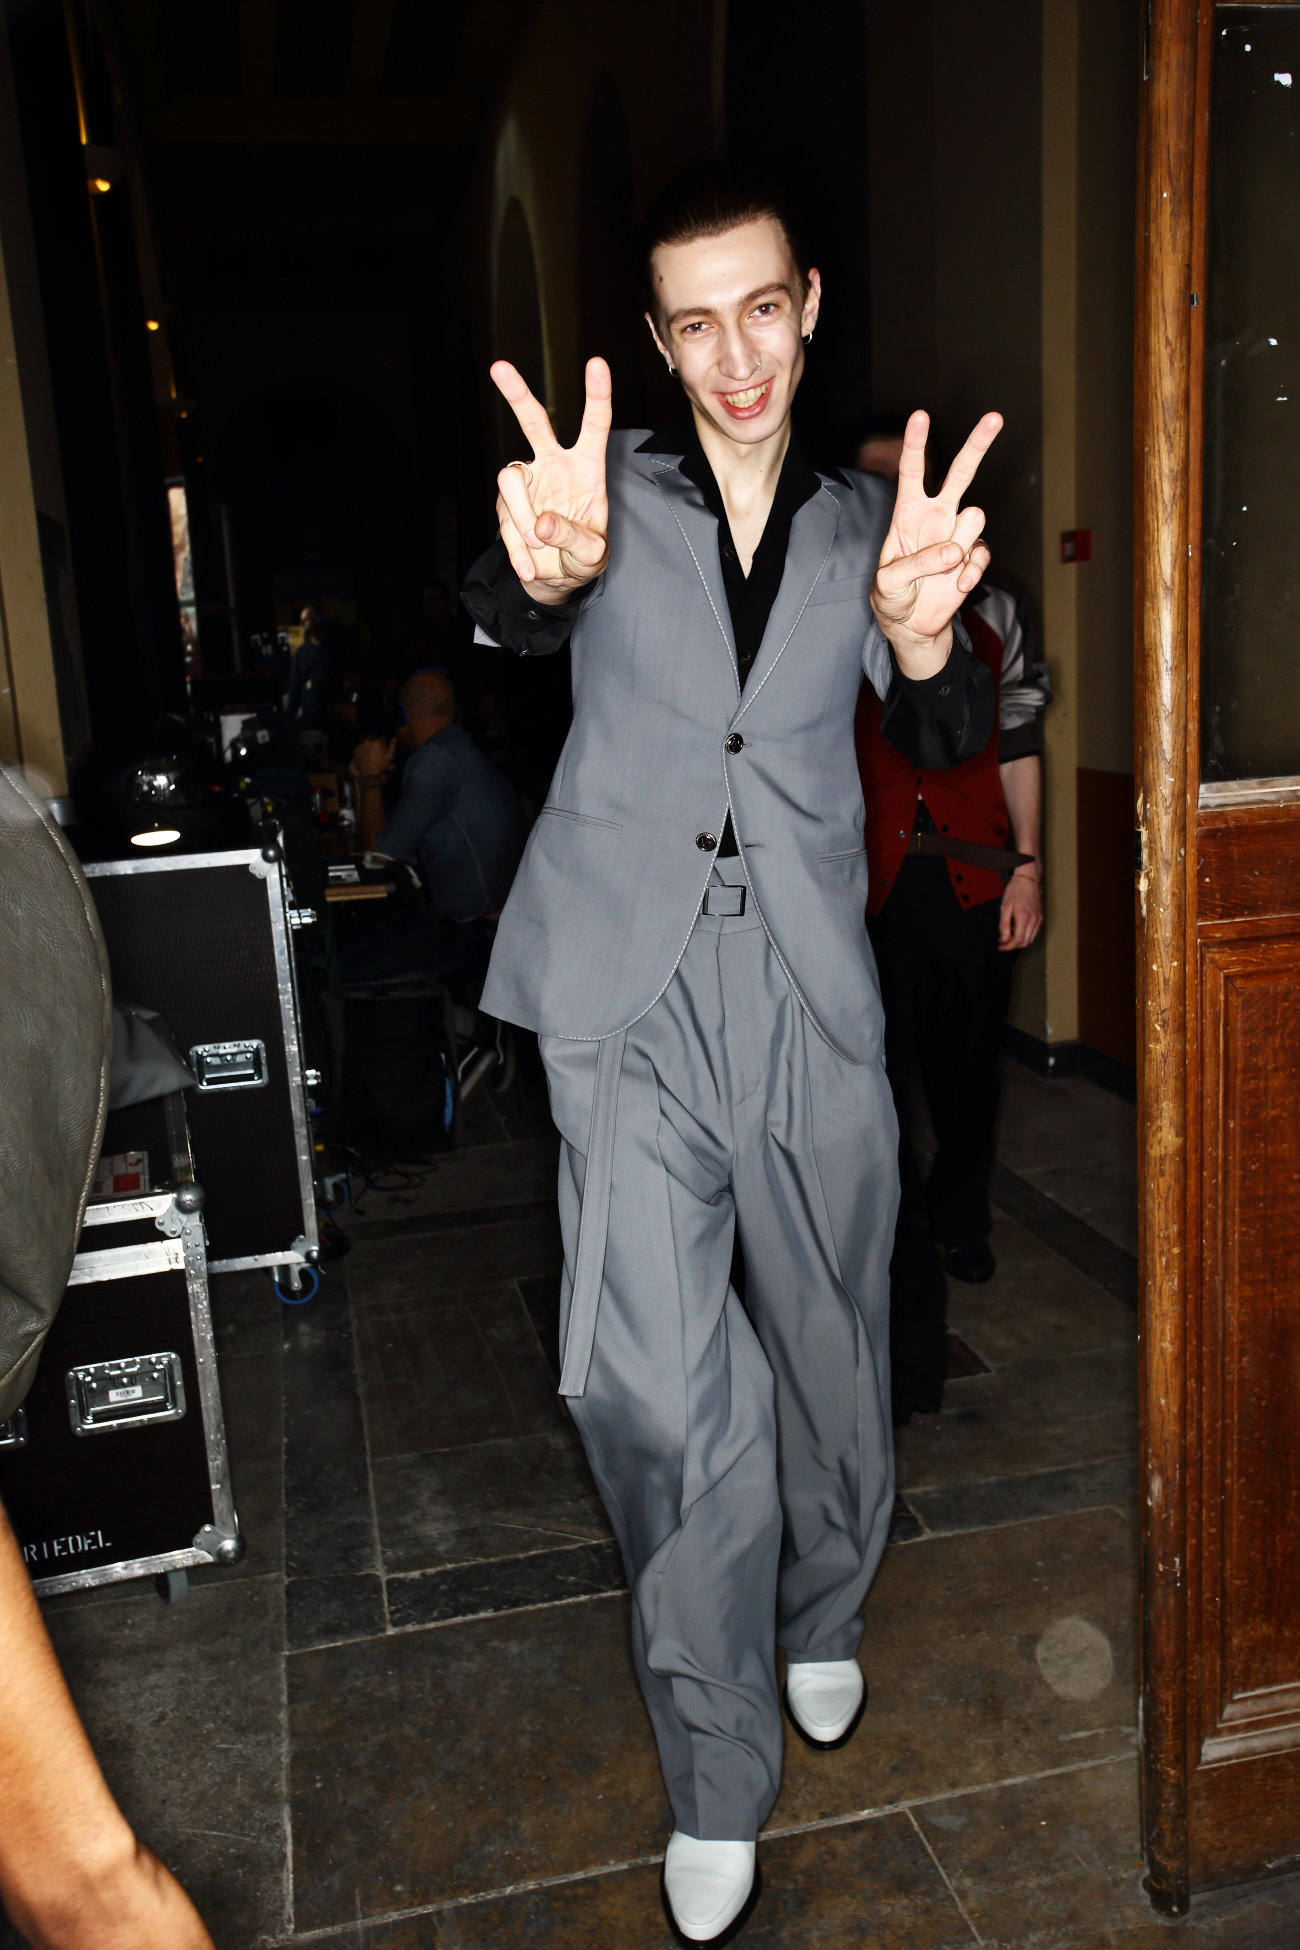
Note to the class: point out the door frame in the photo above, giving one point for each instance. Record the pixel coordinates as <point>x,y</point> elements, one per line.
<point>1166,910</point>
<point>1178,1592</point>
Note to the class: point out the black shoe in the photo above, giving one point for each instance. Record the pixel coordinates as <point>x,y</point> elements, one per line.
<point>904,1407</point>
<point>973,1262</point>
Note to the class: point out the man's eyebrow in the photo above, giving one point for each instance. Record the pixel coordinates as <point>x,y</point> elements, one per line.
<point>750,298</point>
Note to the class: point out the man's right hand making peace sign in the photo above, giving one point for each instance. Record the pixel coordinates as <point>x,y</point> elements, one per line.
<point>553,510</point>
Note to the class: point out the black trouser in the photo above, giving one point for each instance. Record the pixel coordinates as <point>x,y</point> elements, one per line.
<point>945,988</point>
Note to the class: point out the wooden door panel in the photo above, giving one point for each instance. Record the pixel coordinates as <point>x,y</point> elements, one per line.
<point>1241,1819</point>
<point>1250,1348</point>
<point>1248,863</point>
<point>1218,812</point>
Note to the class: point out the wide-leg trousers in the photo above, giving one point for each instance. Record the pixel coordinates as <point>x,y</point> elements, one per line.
<point>744,1453</point>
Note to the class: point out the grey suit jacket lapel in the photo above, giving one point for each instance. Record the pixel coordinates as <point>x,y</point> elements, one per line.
<point>699,531</point>
<point>811,534</point>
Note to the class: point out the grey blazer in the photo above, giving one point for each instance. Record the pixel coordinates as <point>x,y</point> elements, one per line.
<point>615,870</point>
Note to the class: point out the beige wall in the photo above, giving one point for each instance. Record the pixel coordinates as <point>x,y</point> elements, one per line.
<point>1108,86</point>
<point>1010,213</point>
<point>30,733</point>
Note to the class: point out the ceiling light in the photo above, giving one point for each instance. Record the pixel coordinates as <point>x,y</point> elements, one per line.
<point>156,836</point>
<point>101,185</point>
<point>151,325</point>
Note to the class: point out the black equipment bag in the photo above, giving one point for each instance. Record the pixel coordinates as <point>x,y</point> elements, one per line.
<point>401,1096</point>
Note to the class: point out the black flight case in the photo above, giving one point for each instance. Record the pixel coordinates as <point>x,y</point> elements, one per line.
<point>207,940</point>
<point>115,1465</point>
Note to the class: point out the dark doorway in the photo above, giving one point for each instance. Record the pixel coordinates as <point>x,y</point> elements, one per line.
<point>818,147</point>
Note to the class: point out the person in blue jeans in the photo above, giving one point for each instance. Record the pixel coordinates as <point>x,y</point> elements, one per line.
<point>457,818</point>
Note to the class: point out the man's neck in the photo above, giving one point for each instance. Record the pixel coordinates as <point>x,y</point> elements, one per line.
<point>425,729</point>
<point>746,475</point>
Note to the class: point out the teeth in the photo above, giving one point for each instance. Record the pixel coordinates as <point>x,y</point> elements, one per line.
<point>748,398</point>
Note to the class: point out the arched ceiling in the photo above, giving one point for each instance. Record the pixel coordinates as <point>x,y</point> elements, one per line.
<point>276,133</point>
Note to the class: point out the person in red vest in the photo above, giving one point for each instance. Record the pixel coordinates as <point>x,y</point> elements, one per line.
<point>954,857</point>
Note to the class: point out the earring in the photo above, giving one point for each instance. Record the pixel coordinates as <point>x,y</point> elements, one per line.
<point>807,338</point>
<point>672,372</point>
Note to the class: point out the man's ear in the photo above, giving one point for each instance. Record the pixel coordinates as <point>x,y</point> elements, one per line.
<point>663,349</point>
<point>812,303</point>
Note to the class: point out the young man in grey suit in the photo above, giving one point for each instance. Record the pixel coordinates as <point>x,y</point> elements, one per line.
<point>686,936</point>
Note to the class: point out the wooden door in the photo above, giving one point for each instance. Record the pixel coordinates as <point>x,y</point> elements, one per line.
<point>1218,831</point>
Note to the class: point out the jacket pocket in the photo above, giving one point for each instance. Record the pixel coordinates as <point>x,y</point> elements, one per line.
<point>846,589</point>
<point>580,819</point>
<point>835,859</point>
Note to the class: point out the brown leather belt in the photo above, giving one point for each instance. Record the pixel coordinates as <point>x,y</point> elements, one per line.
<point>998,858</point>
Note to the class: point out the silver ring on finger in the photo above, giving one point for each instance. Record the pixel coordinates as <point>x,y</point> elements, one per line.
<point>524,469</point>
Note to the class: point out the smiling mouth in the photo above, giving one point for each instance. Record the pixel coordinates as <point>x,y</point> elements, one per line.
<point>750,401</point>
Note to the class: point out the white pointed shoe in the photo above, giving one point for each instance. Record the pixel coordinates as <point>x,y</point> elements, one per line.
<point>709,1888</point>
<point>825,1701</point>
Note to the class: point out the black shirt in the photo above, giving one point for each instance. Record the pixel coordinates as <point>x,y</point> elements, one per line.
<point>749,597</point>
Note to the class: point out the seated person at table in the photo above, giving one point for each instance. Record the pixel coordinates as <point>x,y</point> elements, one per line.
<point>457,818</point>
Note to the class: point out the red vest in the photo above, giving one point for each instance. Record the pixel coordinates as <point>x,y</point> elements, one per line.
<point>965,801</point>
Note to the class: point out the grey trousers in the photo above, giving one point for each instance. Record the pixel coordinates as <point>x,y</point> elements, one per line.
<point>744,1454</point>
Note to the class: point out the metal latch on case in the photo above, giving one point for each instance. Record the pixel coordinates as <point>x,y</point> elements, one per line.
<point>13,1433</point>
<point>125,1394</point>
<point>229,1066</point>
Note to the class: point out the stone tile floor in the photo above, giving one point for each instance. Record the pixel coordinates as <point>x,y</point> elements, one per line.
<point>408,1718</point>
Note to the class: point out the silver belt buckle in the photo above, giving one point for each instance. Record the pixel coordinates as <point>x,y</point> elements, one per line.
<point>726,901</point>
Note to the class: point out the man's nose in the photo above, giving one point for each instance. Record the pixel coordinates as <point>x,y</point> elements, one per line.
<point>739,359</point>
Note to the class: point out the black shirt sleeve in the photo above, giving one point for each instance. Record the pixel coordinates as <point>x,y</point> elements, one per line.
<point>495,598</point>
<point>938,721</point>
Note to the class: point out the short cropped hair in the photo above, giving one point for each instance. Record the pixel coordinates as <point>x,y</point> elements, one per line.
<point>711,198</point>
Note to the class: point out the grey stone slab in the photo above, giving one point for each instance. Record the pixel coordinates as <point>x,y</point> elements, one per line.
<point>1063,1121</point>
<point>1036,1306</point>
<point>1090,1252</point>
<point>505,1584</point>
<point>492,1499</point>
<point>475,1178</point>
<point>867,1885</point>
<point>1095,1194</point>
<point>326,1611</point>
<point>541,1296</point>
<point>329,1522</point>
<point>430,1225</point>
<point>958,1695</point>
<point>457,1261</point>
<point>1077,1141</point>
<point>185,1707</point>
<point>1025,1416</point>
<point>1056,1864</point>
<point>439,1370</point>
<point>1018,1499</point>
<point>432,1765</point>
